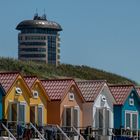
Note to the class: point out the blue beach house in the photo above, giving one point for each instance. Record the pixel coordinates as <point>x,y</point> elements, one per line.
<point>127,107</point>
<point>2,93</point>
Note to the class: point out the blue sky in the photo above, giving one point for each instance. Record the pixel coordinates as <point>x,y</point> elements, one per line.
<point>104,34</point>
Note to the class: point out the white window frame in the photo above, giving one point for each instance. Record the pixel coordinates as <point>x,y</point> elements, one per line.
<point>35,92</point>
<point>71,96</point>
<point>131,113</point>
<point>18,91</point>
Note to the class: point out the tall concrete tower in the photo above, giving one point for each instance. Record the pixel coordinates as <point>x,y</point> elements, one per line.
<point>39,40</point>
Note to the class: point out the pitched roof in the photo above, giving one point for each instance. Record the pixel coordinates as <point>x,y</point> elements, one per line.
<point>90,88</point>
<point>138,90</point>
<point>120,92</point>
<point>30,80</point>
<point>57,88</point>
<point>7,79</point>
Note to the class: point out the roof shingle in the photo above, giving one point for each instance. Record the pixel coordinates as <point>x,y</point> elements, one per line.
<point>7,79</point>
<point>30,80</point>
<point>90,88</point>
<point>120,92</point>
<point>57,88</point>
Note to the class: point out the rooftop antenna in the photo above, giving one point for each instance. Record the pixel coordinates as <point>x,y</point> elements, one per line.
<point>36,14</point>
<point>44,15</point>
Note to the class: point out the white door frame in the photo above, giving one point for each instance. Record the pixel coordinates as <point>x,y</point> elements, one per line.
<point>17,104</point>
<point>72,108</point>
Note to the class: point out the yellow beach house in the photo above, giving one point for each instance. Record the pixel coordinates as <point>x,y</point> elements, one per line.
<point>16,102</point>
<point>38,101</point>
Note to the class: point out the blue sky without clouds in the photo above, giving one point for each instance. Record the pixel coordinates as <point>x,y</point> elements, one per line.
<point>104,34</point>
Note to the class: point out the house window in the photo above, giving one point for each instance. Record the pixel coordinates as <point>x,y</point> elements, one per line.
<point>131,119</point>
<point>128,120</point>
<point>18,91</point>
<point>100,118</point>
<point>71,96</point>
<point>75,117</point>
<point>35,94</point>
<point>40,115</point>
<point>134,121</point>
<point>131,101</point>
<point>68,117</point>
<point>103,100</point>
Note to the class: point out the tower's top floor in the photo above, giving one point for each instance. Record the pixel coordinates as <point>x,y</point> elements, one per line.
<point>40,22</point>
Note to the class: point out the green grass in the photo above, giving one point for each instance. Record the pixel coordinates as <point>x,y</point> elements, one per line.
<point>61,71</point>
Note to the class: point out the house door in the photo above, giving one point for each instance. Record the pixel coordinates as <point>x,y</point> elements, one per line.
<point>17,112</point>
<point>32,114</point>
<point>131,120</point>
<point>71,118</point>
<point>102,120</point>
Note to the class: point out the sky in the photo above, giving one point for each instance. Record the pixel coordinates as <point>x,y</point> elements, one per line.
<point>103,34</point>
